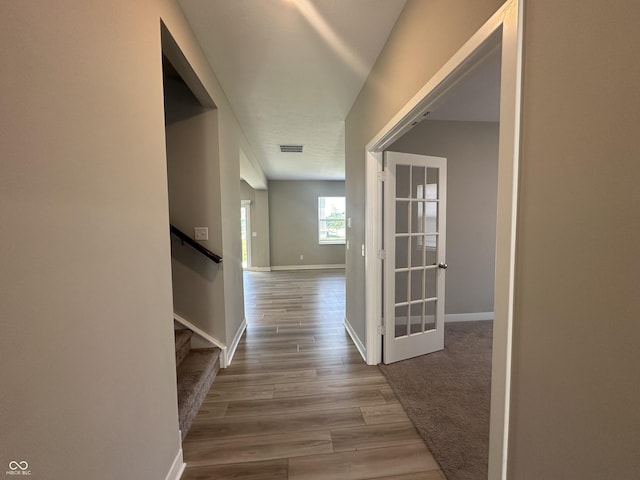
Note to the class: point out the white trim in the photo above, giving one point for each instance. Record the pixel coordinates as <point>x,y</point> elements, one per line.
<point>307,267</point>
<point>204,336</point>
<point>177,467</point>
<point>467,317</point>
<point>508,172</point>
<point>259,269</point>
<point>373,262</point>
<point>236,341</point>
<point>356,340</point>
<point>245,202</point>
<point>510,17</point>
<point>478,47</point>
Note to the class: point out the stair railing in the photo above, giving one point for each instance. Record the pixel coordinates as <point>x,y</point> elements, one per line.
<point>195,245</point>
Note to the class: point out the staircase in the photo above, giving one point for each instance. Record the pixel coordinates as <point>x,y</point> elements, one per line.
<point>196,369</point>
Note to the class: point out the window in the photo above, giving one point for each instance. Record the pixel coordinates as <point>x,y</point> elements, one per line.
<point>331,214</point>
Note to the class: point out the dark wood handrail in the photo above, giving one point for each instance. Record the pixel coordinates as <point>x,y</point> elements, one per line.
<point>195,245</point>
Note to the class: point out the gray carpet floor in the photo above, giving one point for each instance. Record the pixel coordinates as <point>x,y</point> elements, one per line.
<point>446,394</point>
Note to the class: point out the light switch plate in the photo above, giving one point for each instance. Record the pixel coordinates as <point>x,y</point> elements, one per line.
<point>201,233</point>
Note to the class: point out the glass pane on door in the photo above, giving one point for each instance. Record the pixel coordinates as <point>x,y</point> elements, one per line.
<point>418,182</point>
<point>402,216</point>
<point>402,321</point>
<point>402,252</point>
<point>416,318</point>
<point>429,315</point>
<point>402,285</point>
<point>430,283</point>
<point>403,181</point>
<point>433,179</point>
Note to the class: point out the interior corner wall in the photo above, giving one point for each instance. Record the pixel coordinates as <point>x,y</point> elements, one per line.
<point>247,192</point>
<point>471,150</point>
<point>293,218</point>
<point>88,361</point>
<point>425,36</point>
<point>231,141</point>
<point>232,145</point>
<point>259,208</point>
<point>575,386</point>
<point>193,169</point>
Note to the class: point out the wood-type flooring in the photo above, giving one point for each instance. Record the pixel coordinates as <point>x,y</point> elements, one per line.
<point>298,402</point>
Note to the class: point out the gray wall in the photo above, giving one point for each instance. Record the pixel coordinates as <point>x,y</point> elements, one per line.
<point>576,386</point>
<point>259,208</point>
<point>293,219</point>
<point>425,36</point>
<point>193,169</point>
<point>576,389</point>
<point>471,149</point>
<point>88,363</point>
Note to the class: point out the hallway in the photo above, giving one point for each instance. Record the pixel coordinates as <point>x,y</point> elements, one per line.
<point>298,402</point>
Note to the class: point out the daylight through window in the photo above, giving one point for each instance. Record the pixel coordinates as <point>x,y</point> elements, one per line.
<point>331,214</point>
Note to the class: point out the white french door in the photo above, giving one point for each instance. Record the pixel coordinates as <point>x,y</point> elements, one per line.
<point>415,199</point>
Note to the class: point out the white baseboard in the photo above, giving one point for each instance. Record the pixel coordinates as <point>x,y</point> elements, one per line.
<point>236,341</point>
<point>204,336</point>
<point>176,470</point>
<point>468,317</point>
<point>356,340</point>
<point>259,269</point>
<point>308,267</point>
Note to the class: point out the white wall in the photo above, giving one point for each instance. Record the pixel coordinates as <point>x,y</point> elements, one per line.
<point>471,150</point>
<point>87,357</point>
<point>293,218</point>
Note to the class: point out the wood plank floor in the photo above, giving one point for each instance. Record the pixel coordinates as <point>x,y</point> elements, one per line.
<point>298,401</point>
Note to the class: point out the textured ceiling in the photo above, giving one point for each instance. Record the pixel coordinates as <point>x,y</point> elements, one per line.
<point>291,70</point>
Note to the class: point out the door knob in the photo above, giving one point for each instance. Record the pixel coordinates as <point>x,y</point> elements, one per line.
<point>443,266</point>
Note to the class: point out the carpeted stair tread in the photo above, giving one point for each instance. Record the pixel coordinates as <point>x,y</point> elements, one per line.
<point>195,376</point>
<point>183,344</point>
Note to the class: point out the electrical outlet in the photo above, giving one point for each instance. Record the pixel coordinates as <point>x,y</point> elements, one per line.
<point>301,257</point>
<point>201,233</point>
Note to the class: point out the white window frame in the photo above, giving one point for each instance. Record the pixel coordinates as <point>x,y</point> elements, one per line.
<point>340,241</point>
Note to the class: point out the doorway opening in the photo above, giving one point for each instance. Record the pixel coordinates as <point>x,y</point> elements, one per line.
<point>503,31</point>
<point>246,233</point>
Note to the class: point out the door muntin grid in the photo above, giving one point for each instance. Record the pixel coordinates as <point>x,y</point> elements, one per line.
<point>416,249</point>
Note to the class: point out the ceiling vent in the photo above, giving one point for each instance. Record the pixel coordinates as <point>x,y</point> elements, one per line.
<point>291,148</point>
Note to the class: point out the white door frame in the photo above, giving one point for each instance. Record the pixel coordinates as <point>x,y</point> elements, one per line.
<point>503,28</point>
